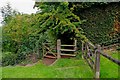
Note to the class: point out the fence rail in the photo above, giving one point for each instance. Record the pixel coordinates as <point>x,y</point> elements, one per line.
<point>110,46</point>
<point>91,53</point>
<point>92,57</point>
<point>110,58</point>
<point>47,49</point>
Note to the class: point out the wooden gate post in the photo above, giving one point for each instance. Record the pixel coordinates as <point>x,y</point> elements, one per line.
<point>97,62</point>
<point>82,50</point>
<point>75,48</point>
<point>43,48</point>
<point>58,48</point>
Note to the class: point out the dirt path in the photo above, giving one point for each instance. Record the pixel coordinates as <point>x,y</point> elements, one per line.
<point>48,61</point>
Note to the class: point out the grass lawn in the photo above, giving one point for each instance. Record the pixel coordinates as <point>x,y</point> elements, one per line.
<point>63,68</point>
<point>0,73</point>
<point>116,55</point>
<point>109,69</point>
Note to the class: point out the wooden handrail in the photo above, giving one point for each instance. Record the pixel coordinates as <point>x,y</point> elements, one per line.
<point>91,59</point>
<point>110,58</point>
<point>89,43</point>
<point>104,47</point>
<point>89,63</point>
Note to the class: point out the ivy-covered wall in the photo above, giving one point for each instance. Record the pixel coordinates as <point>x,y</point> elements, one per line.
<point>100,19</point>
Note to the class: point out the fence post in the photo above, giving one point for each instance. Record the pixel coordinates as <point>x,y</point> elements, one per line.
<point>75,48</point>
<point>58,48</point>
<point>97,62</point>
<point>82,50</point>
<point>43,48</point>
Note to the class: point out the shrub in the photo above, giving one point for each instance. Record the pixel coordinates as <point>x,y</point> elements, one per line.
<point>8,59</point>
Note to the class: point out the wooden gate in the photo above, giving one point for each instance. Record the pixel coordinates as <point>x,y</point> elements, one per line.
<point>60,49</point>
<point>49,50</point>
<point>92,56</point>
<point>57,50</point>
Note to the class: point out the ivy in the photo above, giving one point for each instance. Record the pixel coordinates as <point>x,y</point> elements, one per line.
<point>100,21</point>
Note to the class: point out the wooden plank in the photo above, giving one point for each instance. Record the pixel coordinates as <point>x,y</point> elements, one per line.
<point>89,63</point>
<point>67,50</point>
<point>90,44</point>
<point>75,43</point>
<point>68,54</point>
<point>91,59</point>
<point>43,48</point>
<point>55,54</point>
<point>68,45</point>
<point>83,50</point>
<point>58,48</point>
<point>47,56</point>
<point>113,45</point>
<point>51,52</point>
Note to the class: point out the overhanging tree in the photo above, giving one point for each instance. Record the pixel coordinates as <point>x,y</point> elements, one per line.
<point>57,18</point>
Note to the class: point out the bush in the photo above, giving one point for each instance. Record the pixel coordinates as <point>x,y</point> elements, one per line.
<point>18,52</point>
<point>8,59</point>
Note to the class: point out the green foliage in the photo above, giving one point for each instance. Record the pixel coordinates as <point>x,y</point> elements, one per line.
<point>15,32</point>
<point>99,25</point>
<point>59,22</point>
<point>20,37</point>
<point>24,34</point>
<point>8,59</point>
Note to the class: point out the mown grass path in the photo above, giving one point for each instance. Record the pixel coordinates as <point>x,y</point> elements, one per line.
<point>79,70</point>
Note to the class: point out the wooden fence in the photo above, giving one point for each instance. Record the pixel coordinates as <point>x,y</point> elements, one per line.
<point>110,46</point>
<point>57,50</point>
<point>91,53</point>
<point>60,49</point>
<point>49,48</point>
